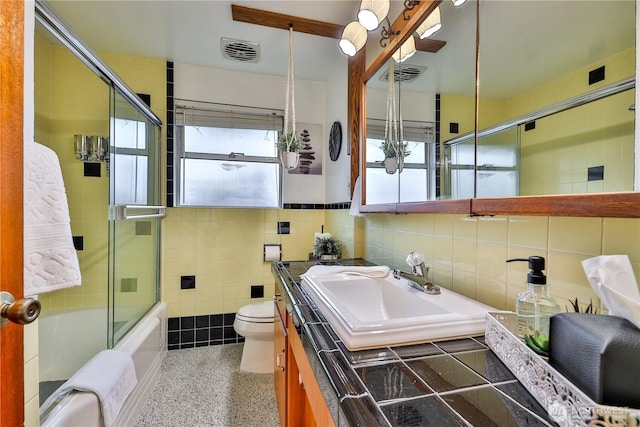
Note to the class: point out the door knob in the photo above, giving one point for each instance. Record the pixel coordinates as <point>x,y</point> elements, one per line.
<point>22,312</point>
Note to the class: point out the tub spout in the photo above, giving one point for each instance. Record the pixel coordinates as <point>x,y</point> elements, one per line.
<point>419,282</point>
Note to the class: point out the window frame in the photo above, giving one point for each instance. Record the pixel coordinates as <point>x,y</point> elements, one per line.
<point>412,130</point>
<point>180,154</point>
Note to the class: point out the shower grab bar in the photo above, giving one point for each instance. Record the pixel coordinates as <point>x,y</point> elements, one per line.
<point>120,212</point>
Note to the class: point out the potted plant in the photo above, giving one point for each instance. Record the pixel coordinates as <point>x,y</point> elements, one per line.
<point>289,145</point>
<point>394,154</point>
<point>327,248</point>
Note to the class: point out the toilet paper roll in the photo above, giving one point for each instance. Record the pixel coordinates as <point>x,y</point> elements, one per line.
<point>271,253</point>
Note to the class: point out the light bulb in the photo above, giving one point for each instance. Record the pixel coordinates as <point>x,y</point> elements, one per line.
<point>372,12</point>
<point>406,51</point>
<point>430,25</point>
<point>354,36</point>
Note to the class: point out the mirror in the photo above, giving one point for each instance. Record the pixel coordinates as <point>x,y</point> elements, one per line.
<point>587,148</point>
<point>534,83</point>
<point>428,87</point>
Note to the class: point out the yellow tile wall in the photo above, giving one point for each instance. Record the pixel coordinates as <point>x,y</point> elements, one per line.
<point>223,248</point>
<point>457,109</point>
<point>556,155</point>
<point>617,67</point>
<point>346,229</point>
<point>70,99</point>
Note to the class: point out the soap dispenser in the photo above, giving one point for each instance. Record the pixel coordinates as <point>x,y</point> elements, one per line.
<point>534,306</point>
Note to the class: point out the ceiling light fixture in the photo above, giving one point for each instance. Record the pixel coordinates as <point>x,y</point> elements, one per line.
<point>385,34</point>
<point>372,12</point>
<point>430,25</point>
<point>406,51</point>
<point>370,16</point>
<point>354,36</point>
<point>408,6</point>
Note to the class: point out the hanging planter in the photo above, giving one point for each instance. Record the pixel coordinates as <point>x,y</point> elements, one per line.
<point>394,147</point>
<point>394,156</point>
<point>391,165</point>
<point>403,152</point>
<point>289,143</point>
<point>289,146</point>
<point>289,159</point>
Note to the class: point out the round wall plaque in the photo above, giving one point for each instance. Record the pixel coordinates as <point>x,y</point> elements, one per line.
<point>335,140</point>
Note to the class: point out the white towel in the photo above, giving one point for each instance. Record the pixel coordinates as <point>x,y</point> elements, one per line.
<point>356,200</point>
<point>110,374</point>
<point>373,271</point>
<point>50,259</point>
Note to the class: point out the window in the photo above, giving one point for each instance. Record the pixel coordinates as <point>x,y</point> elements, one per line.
<point>226,156</point>
<point>417,181</point>
<point>130,162</point>
<point>134,145</point>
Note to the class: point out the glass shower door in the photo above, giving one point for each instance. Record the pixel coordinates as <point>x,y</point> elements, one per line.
<point>135,213</point>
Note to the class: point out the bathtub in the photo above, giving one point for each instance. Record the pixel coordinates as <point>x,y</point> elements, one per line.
<point>146,343</point>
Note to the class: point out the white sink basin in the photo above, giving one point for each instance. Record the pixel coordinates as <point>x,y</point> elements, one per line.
<point>369,312</point>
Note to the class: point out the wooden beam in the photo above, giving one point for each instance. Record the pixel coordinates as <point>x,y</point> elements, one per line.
<point>281,21</point>
<point>355,105</point>
<point>429,45</point>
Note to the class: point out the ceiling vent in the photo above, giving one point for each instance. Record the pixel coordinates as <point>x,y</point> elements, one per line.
<point>404,73</point>
<point>240,50</point>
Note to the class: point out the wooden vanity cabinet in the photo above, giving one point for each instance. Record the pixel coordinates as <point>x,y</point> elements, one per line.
<point>280,356</point>
<point>300,401</point>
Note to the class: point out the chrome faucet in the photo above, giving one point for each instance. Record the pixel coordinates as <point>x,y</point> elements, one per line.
<point>419,270</point>
<point>418,279</point>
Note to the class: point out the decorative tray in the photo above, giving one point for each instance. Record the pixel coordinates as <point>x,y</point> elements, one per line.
<point>565,403</point>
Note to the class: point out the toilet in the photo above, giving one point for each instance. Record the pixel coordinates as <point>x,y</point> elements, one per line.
<point>255,323</point>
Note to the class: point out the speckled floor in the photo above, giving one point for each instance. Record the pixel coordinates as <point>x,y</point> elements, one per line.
<point>204,387</point>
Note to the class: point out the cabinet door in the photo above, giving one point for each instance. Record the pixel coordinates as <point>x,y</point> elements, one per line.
<point>299,411</point>
<point>280,359</point>
<point>305,402</point>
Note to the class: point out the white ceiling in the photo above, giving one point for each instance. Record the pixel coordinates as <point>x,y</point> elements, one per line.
<point>533,39</point>
<point>190,32</point>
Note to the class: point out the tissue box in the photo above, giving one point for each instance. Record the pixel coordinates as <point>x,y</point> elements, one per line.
<point>600,354</point>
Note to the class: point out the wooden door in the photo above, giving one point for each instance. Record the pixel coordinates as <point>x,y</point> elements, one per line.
<point>11,211</point>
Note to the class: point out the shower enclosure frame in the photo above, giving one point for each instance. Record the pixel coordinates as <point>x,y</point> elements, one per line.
<point>125,214</point>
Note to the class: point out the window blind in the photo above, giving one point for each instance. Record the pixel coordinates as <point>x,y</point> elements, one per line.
<point>192,113</point>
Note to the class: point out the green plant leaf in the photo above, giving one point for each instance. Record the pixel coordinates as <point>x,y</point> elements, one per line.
<point>531,343</point>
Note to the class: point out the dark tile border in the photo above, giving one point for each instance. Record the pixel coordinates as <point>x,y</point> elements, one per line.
<point>341,205</point>
<point>201,331</point>
<point>170,133</point>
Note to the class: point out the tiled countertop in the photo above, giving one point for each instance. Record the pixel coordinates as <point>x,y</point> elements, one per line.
<point>445,383</point>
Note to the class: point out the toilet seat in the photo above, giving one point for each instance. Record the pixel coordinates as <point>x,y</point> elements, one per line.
<point>260,312</point>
